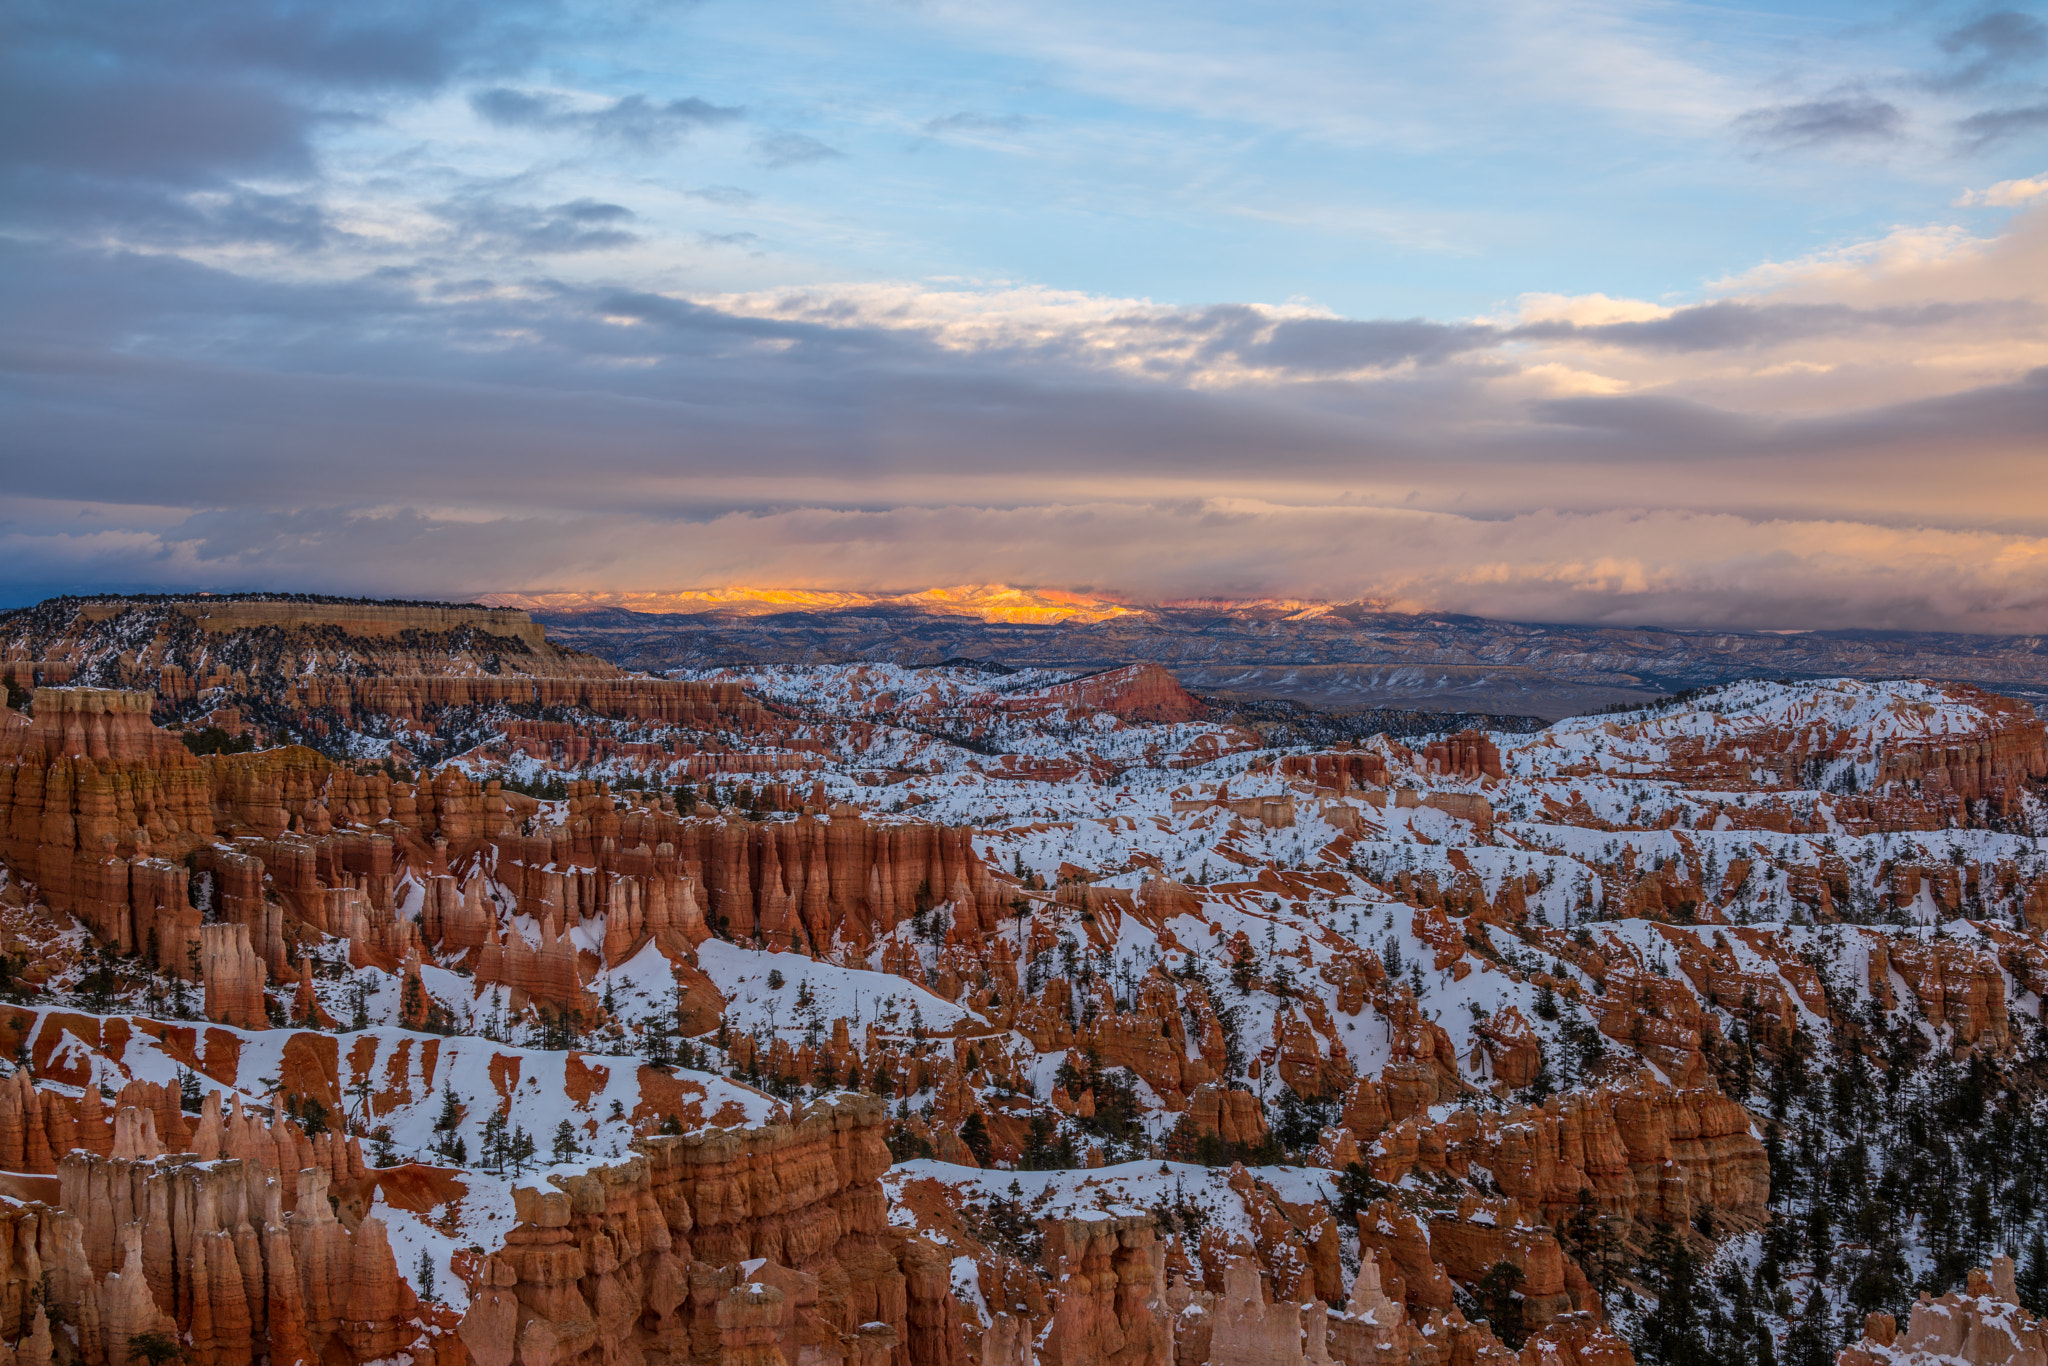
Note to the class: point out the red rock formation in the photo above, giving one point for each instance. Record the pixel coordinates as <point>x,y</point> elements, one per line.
<point>234,977</point>
<point>545,972</point>
<point>1468,754</point>
<point>1230,1116</point>
<point>648,1254</point>
<point>1139,692</point>
<point>1485,1233</point>
<point>1341,771</point>
<point>207,1251</point>
<point>1957,985</point>
<point>1980,1325</point>
<point>1644,1152</point>
<point>812,882</point>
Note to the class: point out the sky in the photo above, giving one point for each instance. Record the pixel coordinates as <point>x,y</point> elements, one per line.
<point>1687,314</point>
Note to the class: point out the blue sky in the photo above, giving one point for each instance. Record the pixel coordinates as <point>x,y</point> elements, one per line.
<point>1415,160</point>
<point>1700,313</point>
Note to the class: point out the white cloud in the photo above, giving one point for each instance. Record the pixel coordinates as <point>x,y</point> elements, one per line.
<point>2006,194</point>
<point>1585,310</point>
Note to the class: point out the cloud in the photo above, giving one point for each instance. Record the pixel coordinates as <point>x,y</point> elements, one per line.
<point>1982,130</point>
<point>729,196</point>
<point>2005,194</point>
<point>1586,310</point>
<point>1846,117</point>
<point>1619,567</point>
<point>1990,45</point>
<point>1337,345</point>
<point>578,226</point>
<point>966,121</point>
<point>513,386</point>
<point>150,121</point>
<point>1734,325</point>
<point>633,120</point>
<point>777,150</point>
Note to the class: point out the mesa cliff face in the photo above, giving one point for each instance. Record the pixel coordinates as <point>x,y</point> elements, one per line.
<point>178,648</point>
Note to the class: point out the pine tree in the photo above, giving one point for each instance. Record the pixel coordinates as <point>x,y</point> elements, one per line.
<point>1241,968</point>
<point>2032,1280</point>
<point>1807,1343</point>
<point>425,1277</point>
<point>565,1141</point>
<point>450,1117</point>
<point>660,1040</point>
<point>974,1134</point>
<point>1357,1188</point>
<point>1669,1335</point>
<point>520,1149</point>
<point>1500,1294</point>
<point>494,1149</point>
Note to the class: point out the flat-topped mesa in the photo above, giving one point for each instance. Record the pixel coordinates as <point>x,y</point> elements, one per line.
<point>180,648</point>
<point>391,620</point>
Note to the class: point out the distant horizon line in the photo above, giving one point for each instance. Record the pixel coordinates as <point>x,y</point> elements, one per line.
<point>992,603</point>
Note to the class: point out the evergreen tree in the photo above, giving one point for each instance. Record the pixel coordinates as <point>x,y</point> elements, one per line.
<point>155,1348</point>
<point>974,1133</point>
<point>450,1117</point>
<point>1241,968</point>
<point>1357,1188</point>
<point>494,1146</point>
<point>1669,1335</point>
<point>1807,1343</point>
<point>519,1149</point>
<point>565,1141</point>
<point>1500,1296</point>
<point>2032,1280</point>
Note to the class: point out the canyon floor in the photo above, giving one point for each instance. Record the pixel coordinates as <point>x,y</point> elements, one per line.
<point>391,982</point>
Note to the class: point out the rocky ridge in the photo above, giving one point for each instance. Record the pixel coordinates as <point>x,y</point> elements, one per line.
<point>1351,655</point>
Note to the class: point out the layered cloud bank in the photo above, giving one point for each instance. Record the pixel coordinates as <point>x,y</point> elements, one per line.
<point>1853,439</point>
<point>261,356</point>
